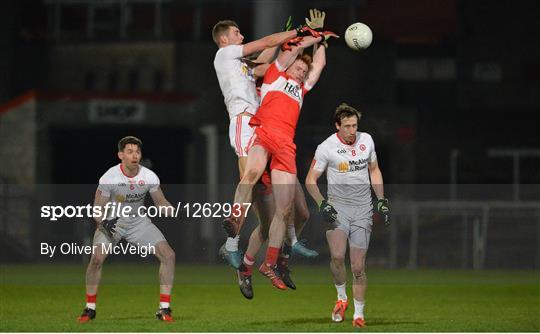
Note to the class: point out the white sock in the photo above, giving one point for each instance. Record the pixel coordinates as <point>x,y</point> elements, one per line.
<point>358,309</point>
<point>164,304</point>
<point>291,233</point>
<point>91,306</point>
<point>232,244</point>
<point>341,291</point>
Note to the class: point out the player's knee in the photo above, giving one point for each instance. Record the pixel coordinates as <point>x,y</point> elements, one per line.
<point>359,274</point>
<point>169,256</point>
<point>338,260</point>
<point>357,267</point>
<point>251,176</point>
<point>96,262</point>
<point>283,213</point>
<point>303,215</point>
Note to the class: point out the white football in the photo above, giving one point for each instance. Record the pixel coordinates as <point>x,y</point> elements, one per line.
<point>358,36</point>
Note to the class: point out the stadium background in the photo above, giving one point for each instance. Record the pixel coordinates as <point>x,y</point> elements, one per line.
<point>448,89</point>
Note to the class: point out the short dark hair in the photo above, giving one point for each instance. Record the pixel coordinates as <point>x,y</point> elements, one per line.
<point>344,111</point>
<point>129,140</point>
<point>221,28</point>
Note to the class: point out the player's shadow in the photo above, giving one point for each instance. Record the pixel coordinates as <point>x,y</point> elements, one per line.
<point>144,317</point>
<point>326,320</point>
<point>292,321</point>
<point>385,322</point>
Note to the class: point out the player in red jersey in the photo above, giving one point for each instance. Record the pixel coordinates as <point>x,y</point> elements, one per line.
<point>287,80</point>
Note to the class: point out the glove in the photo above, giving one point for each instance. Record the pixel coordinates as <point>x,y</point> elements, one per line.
<point>287,46</point>
<point>316,19</point>
<point>303,31</point>
<point>326,35</point>
<point>328,212</point>
<point>109,226</point>
<point>383,210</point>
<point>288,24</point>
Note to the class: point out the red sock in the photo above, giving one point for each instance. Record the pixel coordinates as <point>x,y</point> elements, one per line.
<point>271,256</point>
<point>91,298</point>
<point>248,264</point>
<point>164,300</point>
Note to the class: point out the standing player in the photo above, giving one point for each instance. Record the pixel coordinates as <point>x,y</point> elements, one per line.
<point>236,76</point>
<point>282,92</point>
<point>127,184</point>
<point>350,162</point>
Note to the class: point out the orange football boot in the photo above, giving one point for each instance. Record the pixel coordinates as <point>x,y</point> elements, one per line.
<point>270,272</point>
<point>338,314</point>
<point>359,322</point>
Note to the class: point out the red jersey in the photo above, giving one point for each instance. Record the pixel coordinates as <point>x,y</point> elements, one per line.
<point>281,100</point>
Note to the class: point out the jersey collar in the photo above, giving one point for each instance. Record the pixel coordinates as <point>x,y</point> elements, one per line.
<point>344,142</point>
<point>123,172</point>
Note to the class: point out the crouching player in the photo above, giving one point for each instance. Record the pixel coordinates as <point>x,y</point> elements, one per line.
<point>128,183</point>
<point>350,162</point>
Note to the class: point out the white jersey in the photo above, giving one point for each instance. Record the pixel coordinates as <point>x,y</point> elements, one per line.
<point>346,168</point>
<point>236,81</point>
<point>129,191</point>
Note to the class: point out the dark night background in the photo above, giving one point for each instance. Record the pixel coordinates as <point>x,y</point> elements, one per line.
<point>445,83</point>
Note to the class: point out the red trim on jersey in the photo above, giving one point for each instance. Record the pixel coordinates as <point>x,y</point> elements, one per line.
<point>313,162</point>
<point>344,142</point>
<point>122,169</point>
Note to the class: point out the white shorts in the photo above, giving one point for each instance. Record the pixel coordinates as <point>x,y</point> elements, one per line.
<point>356,223</point>
<point>142,233</point>
<point>240,133</point>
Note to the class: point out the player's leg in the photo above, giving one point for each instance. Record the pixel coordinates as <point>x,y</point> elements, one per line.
<point>240,134</point>
<point>283,185</point>
<point>145,234</point>
<point>166,257</point>
<point>359,242</point>
<point>93,273</point>
<point>337,244</point>
<point>255,166</point>
<point>291,245</point>
<point>264,208</point>
<point>299,218</point>
<point>229,251</point>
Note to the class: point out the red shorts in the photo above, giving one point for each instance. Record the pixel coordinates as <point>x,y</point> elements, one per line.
<point>281,149</point>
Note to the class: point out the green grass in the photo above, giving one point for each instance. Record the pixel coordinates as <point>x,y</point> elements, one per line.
<point>50,297</point>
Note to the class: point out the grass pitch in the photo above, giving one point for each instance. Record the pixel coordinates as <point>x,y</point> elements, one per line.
<point>205,298</point>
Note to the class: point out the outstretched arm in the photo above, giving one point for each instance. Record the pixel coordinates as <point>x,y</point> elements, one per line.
<point>318,64</point>
<point>267,56</point>
<point>267,42</point>
<point>287,57</point>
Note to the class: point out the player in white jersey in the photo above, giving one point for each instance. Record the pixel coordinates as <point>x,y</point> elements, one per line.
<point>236,76</point>
<point>126,185</point>
<point>348,157</point>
